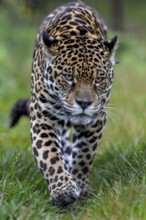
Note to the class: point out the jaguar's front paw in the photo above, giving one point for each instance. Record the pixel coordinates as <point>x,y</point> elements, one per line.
<point>66,194</point>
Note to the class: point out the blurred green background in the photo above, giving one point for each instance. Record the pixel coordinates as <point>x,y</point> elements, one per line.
<point>121,158</point>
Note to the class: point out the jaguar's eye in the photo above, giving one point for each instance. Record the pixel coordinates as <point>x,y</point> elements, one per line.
<point>101,84</point>
<point>99,80</point>
<point>68,77</point>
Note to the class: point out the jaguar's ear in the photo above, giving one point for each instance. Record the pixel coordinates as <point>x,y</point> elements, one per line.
<point>111,45</point>
<point>48,40</point>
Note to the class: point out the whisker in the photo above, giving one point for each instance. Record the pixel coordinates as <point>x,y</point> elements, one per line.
<point>112,119</point>
<point>111,108</point>
<point>48,114</point>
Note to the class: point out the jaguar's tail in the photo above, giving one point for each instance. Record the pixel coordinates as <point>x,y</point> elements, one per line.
<point>20,108</point>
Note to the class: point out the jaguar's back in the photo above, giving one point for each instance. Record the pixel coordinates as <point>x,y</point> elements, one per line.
<point>74,18</point>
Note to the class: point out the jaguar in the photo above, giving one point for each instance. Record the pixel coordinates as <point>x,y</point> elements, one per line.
<point>71,80</point>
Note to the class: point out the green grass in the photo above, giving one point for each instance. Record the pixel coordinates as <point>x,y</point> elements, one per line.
<point>118,177</point>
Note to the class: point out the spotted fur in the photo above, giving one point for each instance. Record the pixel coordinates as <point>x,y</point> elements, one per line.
<point>72,75</point>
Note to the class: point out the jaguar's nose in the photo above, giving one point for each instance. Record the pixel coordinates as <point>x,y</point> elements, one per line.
<point>84,104</point>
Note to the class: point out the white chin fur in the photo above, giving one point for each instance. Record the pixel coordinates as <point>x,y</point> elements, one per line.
<point>80,120</point>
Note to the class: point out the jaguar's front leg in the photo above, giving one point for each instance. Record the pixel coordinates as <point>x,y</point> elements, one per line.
<point>66,146</point>
<point>47,149</point>
<point>85,142</point>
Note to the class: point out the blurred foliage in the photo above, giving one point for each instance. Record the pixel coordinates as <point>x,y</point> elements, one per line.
<point>26,10</point>
<point>32,11</point>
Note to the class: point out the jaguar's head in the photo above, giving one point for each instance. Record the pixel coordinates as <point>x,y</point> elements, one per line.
<point>79,73</point>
